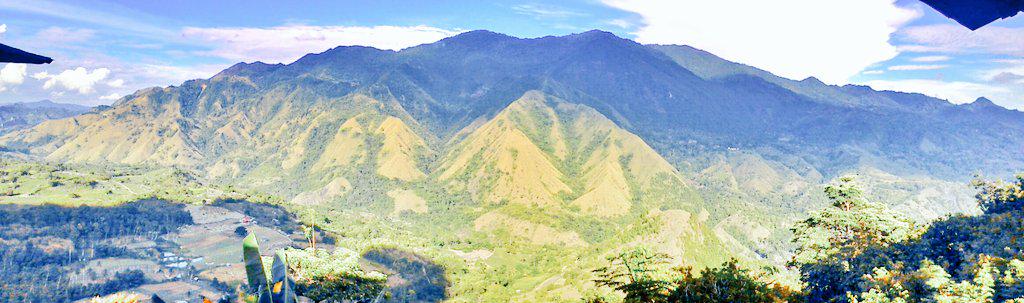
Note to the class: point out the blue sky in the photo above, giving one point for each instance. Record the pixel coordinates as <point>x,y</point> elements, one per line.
<point>106,49</point>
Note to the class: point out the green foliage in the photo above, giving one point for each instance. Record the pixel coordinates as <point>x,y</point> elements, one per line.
<point>639,273</point>
<point>956,259</point>
<point>24,182</point>
<point>929,283</point>
<point>276,288</point>
<point>847,228</point>
<point>997,197</point>
<point>334,277</point>
<point>254,273</point>
<point>729,283</point>
<point>885,287</point>
<point>42,246</point>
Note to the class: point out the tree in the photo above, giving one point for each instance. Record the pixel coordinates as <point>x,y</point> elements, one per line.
<point>929,283</point>
<point>729,283</point>
<point>831,238</point>
<point>998,197</point>
<point>639,273</point>
<point>848,227</point>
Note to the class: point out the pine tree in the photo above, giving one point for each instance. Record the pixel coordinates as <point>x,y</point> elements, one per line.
<point>848,227</point>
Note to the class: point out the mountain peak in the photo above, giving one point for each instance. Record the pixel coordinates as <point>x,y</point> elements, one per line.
<point>982,101</point>
<point>595,35</point>
<point>812,79</point>
<point>478,36</point>
<point>243,69</point>
<point>985,104</point>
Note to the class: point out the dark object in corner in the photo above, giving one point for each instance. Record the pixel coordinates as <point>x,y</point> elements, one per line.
<point>13,55</point>
<point>974,14</point>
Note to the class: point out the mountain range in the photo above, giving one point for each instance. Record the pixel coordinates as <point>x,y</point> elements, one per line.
<point>22,115</point>
<point>586,142</point>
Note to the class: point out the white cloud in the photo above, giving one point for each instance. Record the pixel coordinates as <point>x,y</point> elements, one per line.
<point>3,28</point>
<point>116,83</point>
<point>955,91</point>
<point>917,67</point>
<point>11,75</point>
<point>873,72</point>
<point>60,35</point>
<point>175,74</point>
<point>80,79</point>
<point>620,23</point>
<point>543,11</point>
<point>829,39</point>
<point>111,97</point>
<point>958,39</point>
<point>930,59</point>
<point>288,43</point>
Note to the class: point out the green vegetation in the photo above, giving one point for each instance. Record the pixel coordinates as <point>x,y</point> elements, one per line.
<point>275,287</point>
<point>333,276</point>
<point>856,251</point>
<point>639,274</point>
<point>849,227</point>
<point>643,277</point>
<point>337,276</point>
<point>45,251</point>
<point>25,182</point>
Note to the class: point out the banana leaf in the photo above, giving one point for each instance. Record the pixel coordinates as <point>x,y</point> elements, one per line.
<point>254,264</point>
<point>156,299</point>
<point>282,286</point>
<point>265,295</point>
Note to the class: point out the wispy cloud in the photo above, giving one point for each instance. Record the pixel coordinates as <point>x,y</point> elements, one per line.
<point>916,67</point>
<point>839,39</point>
<point>288,43</point>
<point>88,15</point>
<point>930,59</point>
<point>62,36</point>
<point>621,23</point>
<point>957,39</point>
<point>1011,72</point>
<point>1008,78</point>
<point>545,11</point>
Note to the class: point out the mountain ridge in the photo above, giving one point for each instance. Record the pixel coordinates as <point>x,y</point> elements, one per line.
<point>20,115</point>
